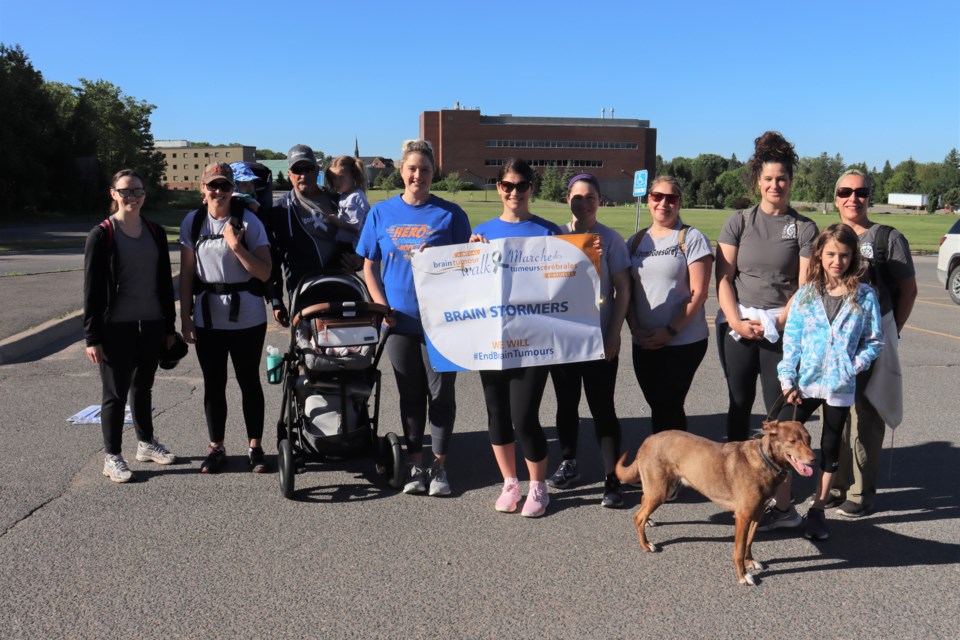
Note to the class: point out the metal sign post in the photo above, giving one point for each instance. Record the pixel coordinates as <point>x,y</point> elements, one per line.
<point>639,190</point>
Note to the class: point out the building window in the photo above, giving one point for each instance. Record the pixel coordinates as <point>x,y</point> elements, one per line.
<point>174,167</point>
<point>174,155</point>
<point>196,166</point>
<point>194,154</point>
<point>216,154</point>
<point>226,153</point>
<point>206,154</point>
<point>541,162</point>
<point>559,144</point>
<point>176,178</point>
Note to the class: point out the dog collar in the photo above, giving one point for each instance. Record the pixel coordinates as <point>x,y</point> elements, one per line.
<point>773,465</point>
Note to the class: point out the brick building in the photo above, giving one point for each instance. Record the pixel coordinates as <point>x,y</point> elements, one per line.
<point>475,146</point>
<point>185,161</point>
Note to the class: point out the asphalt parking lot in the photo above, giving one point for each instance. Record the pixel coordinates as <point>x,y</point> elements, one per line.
<point>181,555</point>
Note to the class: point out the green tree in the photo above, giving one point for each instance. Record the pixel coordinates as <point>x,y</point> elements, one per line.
<point>952,198</point>
<point>452,182</point>
<point>552,185</point>
<point>732,188</point>
<point>280,182</point>
<point>29,126</point>
<point>268,154</point>
<point>388,181</point>
<point>904,178</point>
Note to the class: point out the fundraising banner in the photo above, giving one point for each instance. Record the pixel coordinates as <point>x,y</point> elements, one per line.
<point>515,302</point>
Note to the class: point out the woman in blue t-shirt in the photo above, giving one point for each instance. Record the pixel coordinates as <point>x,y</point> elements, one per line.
<point>392,231</point>
<point>513,396</point>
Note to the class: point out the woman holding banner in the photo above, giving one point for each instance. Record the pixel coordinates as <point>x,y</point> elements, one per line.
<point>597,377</point>
<point>513,396</point>
<point>394,228</point>
<point>670,264</point>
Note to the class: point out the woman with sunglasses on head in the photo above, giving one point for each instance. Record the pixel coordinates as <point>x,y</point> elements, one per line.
<point>224,265</point>
<point>671,267</point>
<point>393,230</point>
<point>762,258</point>
<point>128,319</point>
<point>598,377</point>
<point>513,396</point>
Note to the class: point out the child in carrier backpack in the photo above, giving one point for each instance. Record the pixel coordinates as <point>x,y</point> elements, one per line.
<point>832,334</point>
<point>345,176</point>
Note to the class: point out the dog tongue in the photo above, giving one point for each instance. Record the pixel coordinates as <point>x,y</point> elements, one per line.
<point>803,469</point>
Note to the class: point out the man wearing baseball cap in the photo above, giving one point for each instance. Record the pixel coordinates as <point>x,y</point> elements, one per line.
<point>302,241</point>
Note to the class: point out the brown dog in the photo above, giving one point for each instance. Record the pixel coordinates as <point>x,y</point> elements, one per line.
<point>737,476</point>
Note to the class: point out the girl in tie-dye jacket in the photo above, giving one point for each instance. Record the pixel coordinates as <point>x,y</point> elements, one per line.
<point>832,334</point>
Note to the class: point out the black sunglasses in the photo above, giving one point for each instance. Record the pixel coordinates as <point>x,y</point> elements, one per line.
<point>302,169</point>
<point>846,192</point>
<point>521,187</point>
<point>222,186</point>
<point>671,198</point>
<point>126,193</point>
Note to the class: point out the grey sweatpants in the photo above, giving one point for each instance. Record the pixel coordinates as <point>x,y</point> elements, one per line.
<point>423,392</point>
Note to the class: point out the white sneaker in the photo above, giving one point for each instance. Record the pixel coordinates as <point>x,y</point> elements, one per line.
<point>439,485</point>
<point>115,468</point>
<point>418,480</point>
<point>153,451</point>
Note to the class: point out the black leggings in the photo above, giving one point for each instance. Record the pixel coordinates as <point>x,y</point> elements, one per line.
<point>131,351</point>
<point>834,419</point>
<point>665,376</point>
<point>244,347</point>
<point>513,403</point>
<point>742,362</point>
<point>599,381</point>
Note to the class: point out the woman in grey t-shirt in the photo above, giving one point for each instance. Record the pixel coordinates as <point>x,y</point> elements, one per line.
<point>762,257</point>
<point>670,264</point>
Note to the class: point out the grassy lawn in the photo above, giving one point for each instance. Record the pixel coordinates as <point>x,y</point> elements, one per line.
<point>922,231</point>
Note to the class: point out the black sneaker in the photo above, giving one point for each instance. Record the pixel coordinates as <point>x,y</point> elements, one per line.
<point>611,493</point>
<point>565,475</point>
<point>214,460</point>
<point>258,462</point>
<point>851,509</point>
<point>816,525</point>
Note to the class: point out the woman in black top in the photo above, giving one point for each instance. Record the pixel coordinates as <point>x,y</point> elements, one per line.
<point>128,319</point>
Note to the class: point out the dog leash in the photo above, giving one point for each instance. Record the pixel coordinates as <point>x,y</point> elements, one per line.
<point>778,404</point>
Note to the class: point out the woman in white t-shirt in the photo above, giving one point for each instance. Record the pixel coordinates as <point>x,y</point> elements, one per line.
<point>670,265</point>
<point>224,266</point>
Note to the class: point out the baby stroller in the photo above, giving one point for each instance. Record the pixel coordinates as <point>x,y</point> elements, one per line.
<point>329,375</point>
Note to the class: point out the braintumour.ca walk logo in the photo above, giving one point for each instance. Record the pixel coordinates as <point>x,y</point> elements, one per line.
<point>790,231</point>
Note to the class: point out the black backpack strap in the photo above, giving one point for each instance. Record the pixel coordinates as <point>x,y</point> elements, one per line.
<point>635,244</point>
<point>107,226</point>
<point>254,286</point>
<point>881,256</point>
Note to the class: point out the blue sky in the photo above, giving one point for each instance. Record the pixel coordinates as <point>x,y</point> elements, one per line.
<point>871,81</point>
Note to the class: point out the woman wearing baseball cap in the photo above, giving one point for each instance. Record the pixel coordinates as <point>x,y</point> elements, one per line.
<point>224,264</point>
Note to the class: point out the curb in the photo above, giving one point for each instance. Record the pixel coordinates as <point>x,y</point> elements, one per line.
<point>19,347</point>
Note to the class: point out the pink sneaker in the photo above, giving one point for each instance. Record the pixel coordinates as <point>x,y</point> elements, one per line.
<point>509,496</point>
<point>537,500</point>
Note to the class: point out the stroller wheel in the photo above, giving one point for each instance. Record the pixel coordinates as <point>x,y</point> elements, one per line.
<point>287,467</point>
<point>394,460</point>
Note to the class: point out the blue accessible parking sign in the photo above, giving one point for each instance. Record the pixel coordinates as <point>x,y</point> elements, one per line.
<point>640,183</point>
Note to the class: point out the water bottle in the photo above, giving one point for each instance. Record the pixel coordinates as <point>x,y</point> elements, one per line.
<point>274,362</point>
